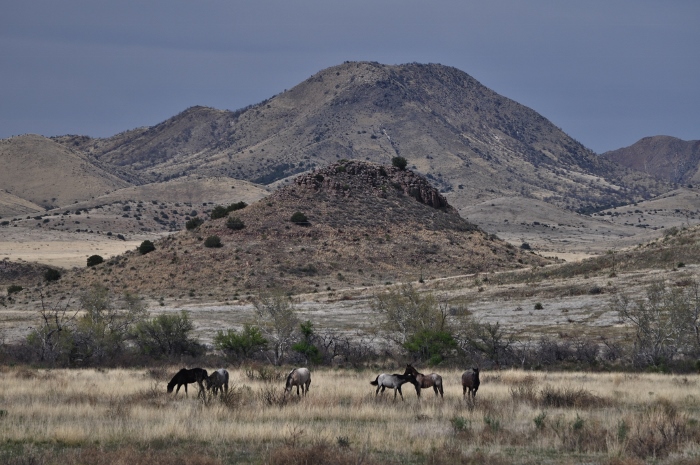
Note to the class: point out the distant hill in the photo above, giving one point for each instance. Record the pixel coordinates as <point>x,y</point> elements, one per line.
<point>666,158</point>
<point>366,224</point>
<point>48,174</point>
<point>471,142</point>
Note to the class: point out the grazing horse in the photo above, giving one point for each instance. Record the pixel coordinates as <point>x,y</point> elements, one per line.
<point>217,381</point>
<point>298,377</point>
<point>470,380</point>
<point>185,377</point>
<point>432,380</point>
<point>394,381</point>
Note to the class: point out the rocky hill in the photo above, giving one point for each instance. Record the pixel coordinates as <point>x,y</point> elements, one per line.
<point>469,141</point>
<point>365,224</point>
<point>666,158</point>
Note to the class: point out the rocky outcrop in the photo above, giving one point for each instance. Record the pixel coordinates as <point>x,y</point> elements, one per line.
<point>345,177</point>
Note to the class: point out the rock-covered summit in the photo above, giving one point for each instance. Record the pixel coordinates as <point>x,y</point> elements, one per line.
<point>344,177</point>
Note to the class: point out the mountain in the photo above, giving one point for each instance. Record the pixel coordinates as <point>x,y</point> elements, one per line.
<point>48,174</point>
<point>666,158</point>
<point>473,143</point>
<point>365,224</point>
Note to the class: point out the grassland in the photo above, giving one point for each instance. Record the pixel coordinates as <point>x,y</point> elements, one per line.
<point>125,416</point>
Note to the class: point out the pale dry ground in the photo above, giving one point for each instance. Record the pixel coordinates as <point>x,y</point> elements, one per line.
<point>79,407</point>
<point>60,248</point>
<point>569,309</point>
<point>555,232</point>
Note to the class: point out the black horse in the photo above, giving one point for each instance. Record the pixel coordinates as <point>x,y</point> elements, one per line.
<point>185,376</point>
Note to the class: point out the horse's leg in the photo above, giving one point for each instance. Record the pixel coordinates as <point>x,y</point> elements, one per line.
<point>442,392</point>
<point>185,389</point>
<point>177,390</point>
<point>464,391</point>
<point>377,392</point>
<point>398,389</point>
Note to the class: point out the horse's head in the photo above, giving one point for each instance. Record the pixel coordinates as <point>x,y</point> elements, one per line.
<point>208,382</point>
<point>410,370</point>
<point>288,383</point>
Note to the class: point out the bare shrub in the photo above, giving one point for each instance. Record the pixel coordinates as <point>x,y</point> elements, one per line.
<point>264,373</point>
<point>659,431</point>
<point>158,373</point>
<point>275,397</point>
<point>524,393</point>
<point>320,453</point>
<point>580,435</point>
<point>569,397</point>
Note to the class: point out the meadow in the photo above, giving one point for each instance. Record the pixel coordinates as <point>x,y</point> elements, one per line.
<point>87,416</point>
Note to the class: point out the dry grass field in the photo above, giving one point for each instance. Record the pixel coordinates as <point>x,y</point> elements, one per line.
<point>125,416</point>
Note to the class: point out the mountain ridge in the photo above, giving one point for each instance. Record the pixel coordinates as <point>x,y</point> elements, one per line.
<point>470,141</point>
<point>666,158</point>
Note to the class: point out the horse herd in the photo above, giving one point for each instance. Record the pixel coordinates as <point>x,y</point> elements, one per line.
<point>301,377</point>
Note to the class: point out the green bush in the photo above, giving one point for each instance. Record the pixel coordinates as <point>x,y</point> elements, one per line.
<point>94,260</point>
<point>221,211</point>
<point>538,306</point>
<point>146,247</point>
<point>399,162</point>
<point>243,344</point>
<point>193,223</point>
<point>218,212</point>
<point>52,274</point>
<point>213,242</point>
<point>299,218</point>
<point>13,289</point>
<point>167,335</point>
<point>235,223</point>
<point>431,345</point>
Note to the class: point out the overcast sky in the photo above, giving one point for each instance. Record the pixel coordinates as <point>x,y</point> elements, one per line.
<point>608,72</point>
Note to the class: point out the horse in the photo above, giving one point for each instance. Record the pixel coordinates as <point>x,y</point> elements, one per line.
<point>185,376</point>
<point>425,381</point>
<point>298,377</point>
<point>394,381</point>
<point>217,381</point>
<point>470,380</point>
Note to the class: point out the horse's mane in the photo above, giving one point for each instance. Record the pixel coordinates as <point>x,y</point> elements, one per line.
<point>289,376</point>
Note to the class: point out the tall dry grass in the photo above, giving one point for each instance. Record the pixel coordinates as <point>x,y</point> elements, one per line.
<point>518,417</point>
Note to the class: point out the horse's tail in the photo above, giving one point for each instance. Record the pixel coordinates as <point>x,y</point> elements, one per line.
<point>375,382</point>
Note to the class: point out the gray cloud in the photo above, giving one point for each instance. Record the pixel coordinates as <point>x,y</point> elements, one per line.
<point>607,72</point>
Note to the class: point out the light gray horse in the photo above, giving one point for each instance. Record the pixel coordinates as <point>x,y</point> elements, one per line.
<point>218,380</point>
<point>394,381</point>
<point>298,377</point>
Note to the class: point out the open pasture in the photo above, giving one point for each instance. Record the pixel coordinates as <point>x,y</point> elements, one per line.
<point>103,416</point>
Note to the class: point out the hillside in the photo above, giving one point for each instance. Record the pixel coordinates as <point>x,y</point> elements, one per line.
<point>666,158</point>
<point>48,174</point>
<point>469,141</point>
<point>367,225</point>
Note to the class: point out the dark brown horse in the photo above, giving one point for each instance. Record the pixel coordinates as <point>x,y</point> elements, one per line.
<point>185,377</point>
<point>432,380</point>
<point>470,380</point>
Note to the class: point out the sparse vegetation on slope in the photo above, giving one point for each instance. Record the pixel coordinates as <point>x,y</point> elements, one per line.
<point>366,224</point>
